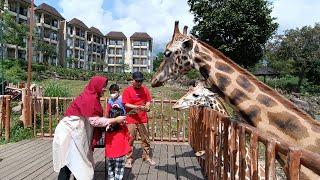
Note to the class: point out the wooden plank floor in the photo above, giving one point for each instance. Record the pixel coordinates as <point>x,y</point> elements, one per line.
<point>32,159</point>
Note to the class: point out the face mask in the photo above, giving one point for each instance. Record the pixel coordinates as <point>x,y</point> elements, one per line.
<point>114,95</point>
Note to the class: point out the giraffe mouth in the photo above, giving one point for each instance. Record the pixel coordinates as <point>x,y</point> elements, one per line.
<point>156,84</point>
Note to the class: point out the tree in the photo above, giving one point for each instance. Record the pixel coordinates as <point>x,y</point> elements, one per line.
<point>238,28</point>
<point>157,61</point>
<point>14,33</point>
<point>301,49</point>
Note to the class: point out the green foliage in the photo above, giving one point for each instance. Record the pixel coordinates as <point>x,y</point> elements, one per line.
<point>297,52</point>
<point>288,83</point>
<point>157,61</point>
<point>238,28</point>
<point>14,71</point>
<point>17,131</point>
<point>193,74</point>
<point>15,33</point>
<point>54,89</point>
<point>47,49</point>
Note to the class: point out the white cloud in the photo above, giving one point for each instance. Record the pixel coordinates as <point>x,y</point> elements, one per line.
<point>291,14</point>
<point>156,17</point>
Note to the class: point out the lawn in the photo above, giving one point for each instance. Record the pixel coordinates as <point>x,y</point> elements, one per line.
<point>164,92</point>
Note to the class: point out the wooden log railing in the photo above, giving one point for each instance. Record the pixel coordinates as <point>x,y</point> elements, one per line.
<point>163,124</point>
<point>5,112</point>
<point>222,139</point>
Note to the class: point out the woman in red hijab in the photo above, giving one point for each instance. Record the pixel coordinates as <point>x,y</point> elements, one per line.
<point>72,150</point>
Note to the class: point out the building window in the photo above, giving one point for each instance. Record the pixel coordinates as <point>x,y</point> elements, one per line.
<point>135,51</point>
<point>119,52</point>
<point>69,30</point>
<point>119,42</point>
<point>111,51</point>
<point>23,11</point>
<point>136,43</point>
<point>112,42</point>
<point>110,60</point>
<point>144,43</point>
<point>135,61</point>
<point>110,69</point>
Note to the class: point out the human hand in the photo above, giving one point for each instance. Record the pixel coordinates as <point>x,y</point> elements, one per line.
<point>120,119</point>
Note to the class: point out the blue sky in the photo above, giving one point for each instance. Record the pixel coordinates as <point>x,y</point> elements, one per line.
<point>156,17</point>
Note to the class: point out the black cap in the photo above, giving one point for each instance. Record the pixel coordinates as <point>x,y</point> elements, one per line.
<point>138,76</point>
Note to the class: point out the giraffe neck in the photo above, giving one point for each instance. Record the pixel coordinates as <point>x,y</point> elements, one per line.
<point>260,105</point>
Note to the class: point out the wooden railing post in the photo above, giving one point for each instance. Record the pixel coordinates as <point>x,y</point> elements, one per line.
<point>26,111</point>
<point>7,119</point>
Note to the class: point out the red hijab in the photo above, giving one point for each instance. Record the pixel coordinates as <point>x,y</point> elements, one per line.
<point>87,104</point>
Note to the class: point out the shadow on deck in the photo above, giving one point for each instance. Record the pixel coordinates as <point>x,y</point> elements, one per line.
<point>32,159</point>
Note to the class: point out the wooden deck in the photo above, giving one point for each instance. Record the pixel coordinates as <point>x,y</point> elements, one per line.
<point>32,159</point>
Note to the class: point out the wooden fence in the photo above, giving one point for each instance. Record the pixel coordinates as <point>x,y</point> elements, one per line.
<point>215,137</point>
<point>5,112</point>
<point>164,124</point>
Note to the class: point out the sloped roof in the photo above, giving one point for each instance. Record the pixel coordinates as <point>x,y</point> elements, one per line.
<point>265,70</point>
<point>141,35</point>
<point>116,34</point>
<point>77,22</point>
<point>96,31</point>
<point>49,9</point>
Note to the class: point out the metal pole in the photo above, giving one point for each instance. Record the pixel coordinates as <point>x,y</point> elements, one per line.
<point>30,47</point>
<point>1,49</point>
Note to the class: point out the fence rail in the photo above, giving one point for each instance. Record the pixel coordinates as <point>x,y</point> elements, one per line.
<point>219,140</point>
<point>164,124</point>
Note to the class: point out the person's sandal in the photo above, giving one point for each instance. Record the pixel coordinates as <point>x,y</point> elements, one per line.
<point>128,164</point>
<point>150,162</point>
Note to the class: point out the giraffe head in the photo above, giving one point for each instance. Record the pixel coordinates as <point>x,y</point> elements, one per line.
<point>178,57</point>
<point>197,96</point>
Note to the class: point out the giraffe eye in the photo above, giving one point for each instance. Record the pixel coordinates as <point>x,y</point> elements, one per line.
<point>167,53</point>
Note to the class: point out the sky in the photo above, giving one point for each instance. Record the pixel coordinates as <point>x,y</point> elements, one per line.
<point>156,17</point>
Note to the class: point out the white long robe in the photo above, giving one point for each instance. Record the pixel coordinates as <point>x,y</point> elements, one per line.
<point>72,147</point>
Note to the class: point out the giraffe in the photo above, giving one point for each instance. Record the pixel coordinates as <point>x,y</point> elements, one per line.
<point>202,97</point>
<point>259,105</point>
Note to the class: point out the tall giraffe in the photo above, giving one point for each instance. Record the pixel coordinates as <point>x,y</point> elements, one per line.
<point>200,96</point>
<point>260,105</point>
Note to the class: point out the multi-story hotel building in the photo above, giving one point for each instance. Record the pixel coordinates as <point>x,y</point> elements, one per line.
<point>96,46</point>
<point>19,9</point>
<point>77,46</point>
<point>115,51</point>
<point>48,26</point>
<point>141,52</point>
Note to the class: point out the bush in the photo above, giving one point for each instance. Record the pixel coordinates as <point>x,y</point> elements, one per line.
<point>54,89</point>
<point>288,83</point>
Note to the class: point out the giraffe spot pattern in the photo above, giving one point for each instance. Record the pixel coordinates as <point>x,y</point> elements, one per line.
<point>197,60</point>
<point>289,124</point>
<point>315,147</point>
<point>205,56</point>
<point>265,100</point>
<point>223,81</point>
<point>204,71</point>
<point>254,114</point>
<point>245,84</point>
<point>224,67</point>
<point>238,97</point>
<point>187,63</point>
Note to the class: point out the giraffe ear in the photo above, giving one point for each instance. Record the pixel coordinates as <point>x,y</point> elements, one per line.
<point>188,44</point>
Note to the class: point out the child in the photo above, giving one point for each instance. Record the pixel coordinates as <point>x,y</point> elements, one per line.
<point>116,137</point>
